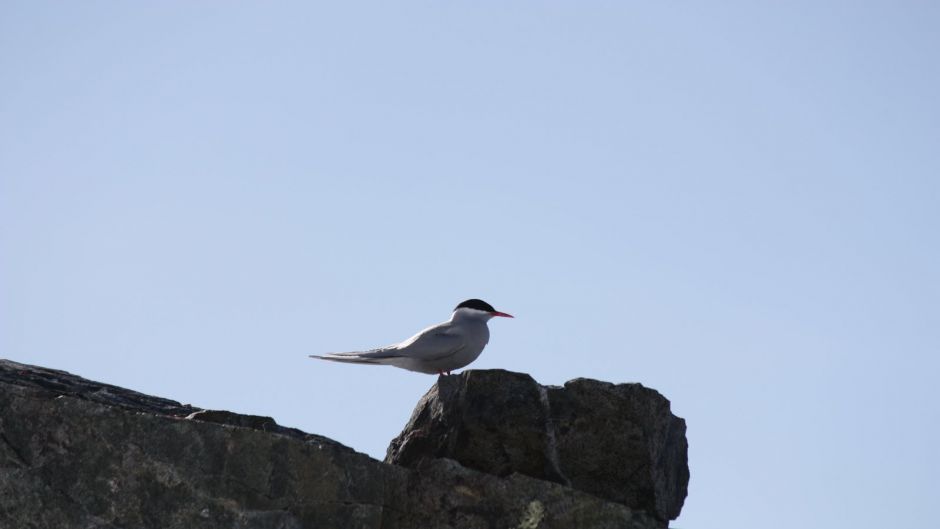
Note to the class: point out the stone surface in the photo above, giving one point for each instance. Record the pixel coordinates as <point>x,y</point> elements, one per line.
<point>75,453</point>
<point>619,442</point>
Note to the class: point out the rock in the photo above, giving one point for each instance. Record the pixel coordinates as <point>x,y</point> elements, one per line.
<point>76,453</point>
<point>618,442</point>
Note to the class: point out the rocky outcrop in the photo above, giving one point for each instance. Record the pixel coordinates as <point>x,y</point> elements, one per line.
<point>618,442</point>
<point>76,453</point>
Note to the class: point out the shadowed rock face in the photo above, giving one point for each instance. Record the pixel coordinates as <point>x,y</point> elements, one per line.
<point>76,453</point>
<point>619,442</point>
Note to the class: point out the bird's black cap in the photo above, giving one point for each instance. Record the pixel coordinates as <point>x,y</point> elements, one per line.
<point>477,304</point>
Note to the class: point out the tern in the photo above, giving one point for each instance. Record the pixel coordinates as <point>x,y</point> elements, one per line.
<point>439,349</point>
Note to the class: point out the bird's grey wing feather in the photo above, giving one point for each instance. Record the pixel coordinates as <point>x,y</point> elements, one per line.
<point>382,352</point>
<point>347,359</point>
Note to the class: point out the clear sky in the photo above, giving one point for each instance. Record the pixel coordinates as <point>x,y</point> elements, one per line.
<point>735,203</point>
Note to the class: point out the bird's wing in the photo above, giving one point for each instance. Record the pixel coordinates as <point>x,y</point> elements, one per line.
<point>433,343</point>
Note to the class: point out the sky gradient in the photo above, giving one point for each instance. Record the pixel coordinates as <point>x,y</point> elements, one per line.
<point>735,204</point>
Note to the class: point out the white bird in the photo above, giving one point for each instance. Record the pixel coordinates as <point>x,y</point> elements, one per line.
<point>438,349</point>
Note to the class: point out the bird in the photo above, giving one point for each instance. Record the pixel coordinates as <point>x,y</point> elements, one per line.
<point>439,349</point>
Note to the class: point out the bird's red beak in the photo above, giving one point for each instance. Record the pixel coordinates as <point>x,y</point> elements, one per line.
<point>503,314</point>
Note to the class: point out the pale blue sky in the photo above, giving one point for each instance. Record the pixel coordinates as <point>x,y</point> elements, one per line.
<point>735,203</point>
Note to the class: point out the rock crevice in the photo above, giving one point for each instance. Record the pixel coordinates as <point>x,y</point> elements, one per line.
<point>551,445</point>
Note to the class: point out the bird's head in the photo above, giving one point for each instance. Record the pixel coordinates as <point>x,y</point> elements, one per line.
<point>477,308</point>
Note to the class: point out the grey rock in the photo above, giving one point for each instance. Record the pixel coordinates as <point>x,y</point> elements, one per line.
<point>76,453</point>
<point>619,442</point>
